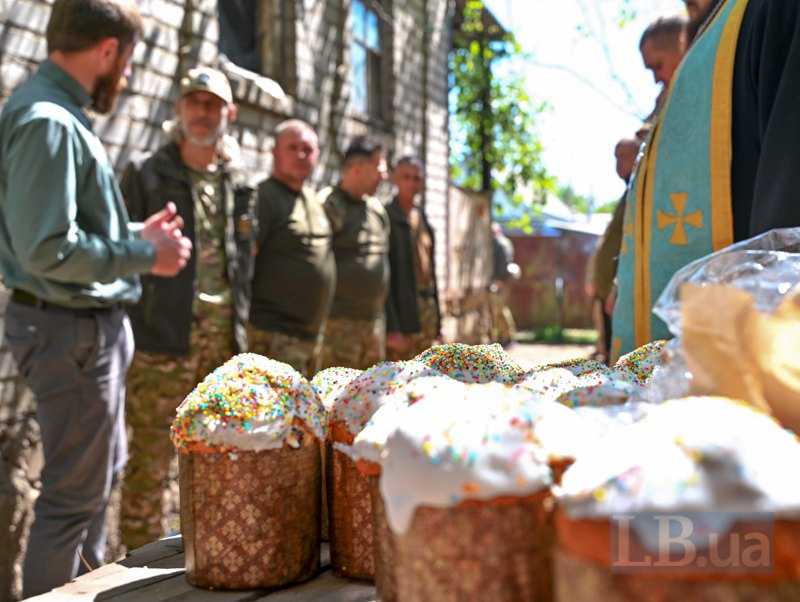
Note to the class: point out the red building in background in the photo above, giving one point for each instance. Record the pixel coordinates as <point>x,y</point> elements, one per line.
<point>551,289</point>
<point>553,260</point>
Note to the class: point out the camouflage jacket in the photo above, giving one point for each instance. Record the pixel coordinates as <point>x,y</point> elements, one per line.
<point>162,319</point>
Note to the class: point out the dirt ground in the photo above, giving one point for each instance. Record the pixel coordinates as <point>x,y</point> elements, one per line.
<point>531,355</point>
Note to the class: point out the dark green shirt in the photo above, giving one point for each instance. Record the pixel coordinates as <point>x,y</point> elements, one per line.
<point>603,264</point>
<point>295,271</point>
<point>64,231</point>
<point>361,245</point>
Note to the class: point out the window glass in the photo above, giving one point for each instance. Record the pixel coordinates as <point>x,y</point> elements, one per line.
<point>238,39</point>
<point>373,31</point>
<point>359,79</point>
<point>359,19</point>
<point>366,56</point>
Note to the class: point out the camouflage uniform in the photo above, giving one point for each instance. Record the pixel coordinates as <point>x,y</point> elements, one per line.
<point>429,319</point>
<point>301,354</point>
<point>158,382</point>
<point>428,308</point>
<point>503,327</point>
<point>349,343</point>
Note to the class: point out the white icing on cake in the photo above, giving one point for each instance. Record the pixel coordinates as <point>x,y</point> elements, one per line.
<point>383,384</point>
<point>472,363</point>
<point>248,403</point>
<point>329,383</point>
<point>693,454</point>
<point>480,441</point>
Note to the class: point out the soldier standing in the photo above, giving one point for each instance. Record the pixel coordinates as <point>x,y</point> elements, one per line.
<point>295,271</point>
<point>602,268</point>
<point>413,321</point>
<point>185,326</point>
<point>355,333</point>
<point>503,270</point>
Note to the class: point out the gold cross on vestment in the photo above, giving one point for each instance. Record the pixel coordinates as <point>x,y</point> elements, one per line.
<point>627,230</point>
<point>680,219</point>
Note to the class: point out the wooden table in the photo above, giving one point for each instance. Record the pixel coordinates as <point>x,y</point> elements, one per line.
<point>155,573</point>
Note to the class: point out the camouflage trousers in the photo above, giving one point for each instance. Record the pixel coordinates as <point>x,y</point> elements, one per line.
<point>503,327</point>
<point>426,338</point>
<point>301,354</point>
<point>157,384</point>
<point>358,344</point>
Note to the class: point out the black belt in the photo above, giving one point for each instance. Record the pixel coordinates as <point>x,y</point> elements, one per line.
<point>31,300</point>
<point>429,294</point>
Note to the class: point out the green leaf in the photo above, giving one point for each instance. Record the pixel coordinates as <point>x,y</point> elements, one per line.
<point>493,118</point>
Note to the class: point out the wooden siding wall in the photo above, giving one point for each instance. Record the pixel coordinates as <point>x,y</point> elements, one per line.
<point>181,33</point>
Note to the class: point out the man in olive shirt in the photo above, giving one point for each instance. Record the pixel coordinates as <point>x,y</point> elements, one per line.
<point>602,268</point>
<point>295,271</point>
<point>355,333</point>
<point>71,258</point>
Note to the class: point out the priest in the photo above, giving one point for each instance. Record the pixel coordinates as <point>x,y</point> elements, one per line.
<point>723,162</point>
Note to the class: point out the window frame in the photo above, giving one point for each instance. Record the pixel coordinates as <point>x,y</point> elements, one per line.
<point>278,42</point>
<point>275,38</point>
<point>377,65</point>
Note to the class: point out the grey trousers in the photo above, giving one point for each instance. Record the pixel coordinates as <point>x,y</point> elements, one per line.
<point>75,364</point>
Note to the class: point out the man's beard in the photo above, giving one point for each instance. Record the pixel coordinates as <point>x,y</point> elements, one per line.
<point>693,29</point>
<point>212,139</point>
<point>107,89</point>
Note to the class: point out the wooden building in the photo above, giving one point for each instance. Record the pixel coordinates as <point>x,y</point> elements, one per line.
<point>347,66</point>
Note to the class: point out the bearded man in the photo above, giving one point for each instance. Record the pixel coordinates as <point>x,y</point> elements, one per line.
<point>71,259</point>
<point>188,325</point>
<point>721,163</point>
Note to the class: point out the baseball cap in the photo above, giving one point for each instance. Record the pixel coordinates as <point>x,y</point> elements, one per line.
<point>206,79</point>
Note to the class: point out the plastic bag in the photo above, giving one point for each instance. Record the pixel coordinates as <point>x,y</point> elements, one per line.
<point>736,318</point>
<point>671,379</point>
<point>767,267</point>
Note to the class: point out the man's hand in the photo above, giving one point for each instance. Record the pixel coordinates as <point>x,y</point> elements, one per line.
<point>173,249</point>
<point>397,341</point>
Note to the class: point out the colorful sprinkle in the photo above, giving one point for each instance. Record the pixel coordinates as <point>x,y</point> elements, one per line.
<point>250,402</point>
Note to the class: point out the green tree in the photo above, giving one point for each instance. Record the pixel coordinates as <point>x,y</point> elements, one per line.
<point>494,144</point>
<point>573,200</point>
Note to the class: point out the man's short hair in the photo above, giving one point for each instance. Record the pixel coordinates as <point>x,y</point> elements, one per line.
<point>665,32</point>
<point>629,143</point>
<point>409,160</point>
<point>77,25</point>
<point>361,148</point>
<point>292,124</point>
